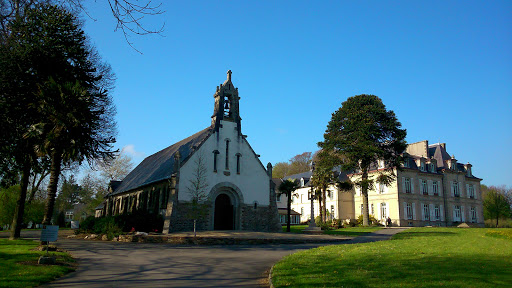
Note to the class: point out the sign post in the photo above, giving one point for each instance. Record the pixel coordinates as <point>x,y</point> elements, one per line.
<point>49,234</point>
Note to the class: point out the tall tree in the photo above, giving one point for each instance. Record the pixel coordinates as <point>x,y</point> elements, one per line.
<point>287,187</point>
<point>280,170</point>
<point>362,132</point>
<point>297,164</point>
<point>321,179</point>
<point>72,102</point>
<point>496,203</point>
<point>115,168</point>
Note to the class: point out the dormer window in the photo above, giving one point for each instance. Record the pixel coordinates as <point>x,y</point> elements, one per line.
<point>422,166</point>
<point>301,182</point>
<point>406,163</point>
<point>381,164</point>
<point>433,168</point>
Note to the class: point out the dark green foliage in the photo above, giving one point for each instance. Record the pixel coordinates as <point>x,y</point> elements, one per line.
<point>359,133</point>
<point>287,187</point>
<point>110,225</point>
<point>373,220</point>
<point>54,97</point>
<point>496,203</point>
<point>61,219</point>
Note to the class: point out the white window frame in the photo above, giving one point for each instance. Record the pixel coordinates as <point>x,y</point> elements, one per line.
<point>383,211</point>
<point>474,217</point>
<point>408,185</point>
<point>426,212</point>
<point>435,188</point>
<point>409,211</point>
<point>458,215</point>
<point>456,192</point>
<point>424,187</point>
<point>437,213</point>
<point>471,191</point>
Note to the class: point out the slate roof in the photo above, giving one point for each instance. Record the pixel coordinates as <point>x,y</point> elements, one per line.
<point>439,154</point>
<point>160,166</point>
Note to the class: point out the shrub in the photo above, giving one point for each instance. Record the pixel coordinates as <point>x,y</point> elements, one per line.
<point>336,224</point>
<point>502,223</point>
<point>373,221</point>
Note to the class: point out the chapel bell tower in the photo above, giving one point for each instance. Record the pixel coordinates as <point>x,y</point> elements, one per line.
<point>226,105</point>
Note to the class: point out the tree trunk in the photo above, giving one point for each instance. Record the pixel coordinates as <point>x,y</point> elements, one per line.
<point>324,208</point>
<point>20,205</point>
<point>364,192</point>
<point>52,186</point>
<point>35,187</point>
<point>289,207</point>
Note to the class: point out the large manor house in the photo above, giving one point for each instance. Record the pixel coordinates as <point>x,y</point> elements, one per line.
<point>430,189</point>
<point>240,194</point>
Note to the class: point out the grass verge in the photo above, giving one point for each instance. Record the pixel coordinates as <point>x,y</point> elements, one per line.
<point>348,231</point>
<point>418,257</point>
<point>19,268</point>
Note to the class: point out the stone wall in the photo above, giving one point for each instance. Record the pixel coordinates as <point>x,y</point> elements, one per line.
<point>181,219</point>
<point>258,219</point>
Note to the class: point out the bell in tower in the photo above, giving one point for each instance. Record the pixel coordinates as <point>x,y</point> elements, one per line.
<point>226,104</point>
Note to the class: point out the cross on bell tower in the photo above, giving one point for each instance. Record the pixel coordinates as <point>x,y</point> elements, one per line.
<point>226,104</point>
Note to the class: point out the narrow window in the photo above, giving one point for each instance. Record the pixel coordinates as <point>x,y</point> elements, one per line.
<point>278,197</point>
<point>424,187</point>
<point>456,189</point>
<point>215,153</point>
<point>426,212</point>
<point>381,188</point>
<point>227,154</point>
<point>407,185</point>
<point>409,211</point>
<point>238,155</point>
<point>473,215</point>
<point>373,210</point>
<point>471,191</point>
<point>435,188</point>
<point>437,213</point>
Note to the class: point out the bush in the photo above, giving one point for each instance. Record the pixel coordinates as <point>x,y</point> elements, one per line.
<point>373,221</point>
<point>502,223</point>
<point>115,225</point>
<point>336,224</point>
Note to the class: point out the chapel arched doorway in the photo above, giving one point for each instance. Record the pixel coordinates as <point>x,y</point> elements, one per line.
<point>223,214</point>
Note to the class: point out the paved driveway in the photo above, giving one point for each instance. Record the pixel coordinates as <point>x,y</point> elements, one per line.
<point>118,264</point>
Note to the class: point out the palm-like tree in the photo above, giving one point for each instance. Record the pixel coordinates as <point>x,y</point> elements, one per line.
<point>72,130</point>
<point>287,187</point>
<point>322,177</point>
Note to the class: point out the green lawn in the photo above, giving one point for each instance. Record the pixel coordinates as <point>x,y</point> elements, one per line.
<point>349,231</point>
<point>418,257</point>
<point>19,268</point>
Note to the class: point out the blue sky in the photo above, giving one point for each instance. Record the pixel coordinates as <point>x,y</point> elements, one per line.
<point>444,67</point>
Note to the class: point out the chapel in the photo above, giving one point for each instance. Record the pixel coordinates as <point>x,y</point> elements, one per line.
<point>238,190</point>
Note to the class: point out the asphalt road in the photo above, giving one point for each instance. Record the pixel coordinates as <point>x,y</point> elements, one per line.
<point>118,264</point>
